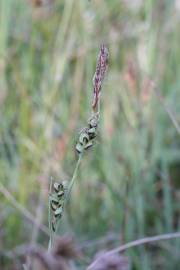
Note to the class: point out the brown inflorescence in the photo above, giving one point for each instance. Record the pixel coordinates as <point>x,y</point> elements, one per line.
<point>101,68</point>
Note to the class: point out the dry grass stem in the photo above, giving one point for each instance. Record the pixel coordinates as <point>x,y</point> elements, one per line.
<point>135,243</point>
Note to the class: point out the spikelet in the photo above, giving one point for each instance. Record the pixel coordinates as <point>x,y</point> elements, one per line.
<point>57,199</point>
<point>88,134</point>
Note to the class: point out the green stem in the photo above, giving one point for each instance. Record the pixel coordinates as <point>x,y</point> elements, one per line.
<point>50,219</point>
<point>73,177</point>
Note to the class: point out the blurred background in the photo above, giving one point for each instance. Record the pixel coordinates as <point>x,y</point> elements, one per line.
<point>128,185</point>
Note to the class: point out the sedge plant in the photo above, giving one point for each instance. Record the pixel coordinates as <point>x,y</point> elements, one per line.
<point>60,192</point>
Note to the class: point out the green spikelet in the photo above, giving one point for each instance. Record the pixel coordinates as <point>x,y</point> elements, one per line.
<point>57,199</point>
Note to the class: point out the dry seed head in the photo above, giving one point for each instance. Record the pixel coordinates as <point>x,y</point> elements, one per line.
<point>101,68</point>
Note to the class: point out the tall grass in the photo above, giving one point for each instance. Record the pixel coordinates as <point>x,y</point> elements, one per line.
<point>130,183</point>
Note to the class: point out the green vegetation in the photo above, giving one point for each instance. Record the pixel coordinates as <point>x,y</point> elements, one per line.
<point>128,184</point>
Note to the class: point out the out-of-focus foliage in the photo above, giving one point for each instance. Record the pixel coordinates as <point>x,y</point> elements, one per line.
<point>129,182</point>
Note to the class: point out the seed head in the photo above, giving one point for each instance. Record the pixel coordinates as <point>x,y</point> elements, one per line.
<point>101,68</point>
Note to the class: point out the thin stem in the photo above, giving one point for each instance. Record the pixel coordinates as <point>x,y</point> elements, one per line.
<point>167,108</point>
<point>73,177</point>
<point>145,240</point>
<point>22,210</point>
<point>50,218</point>
<point>138,242</point>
